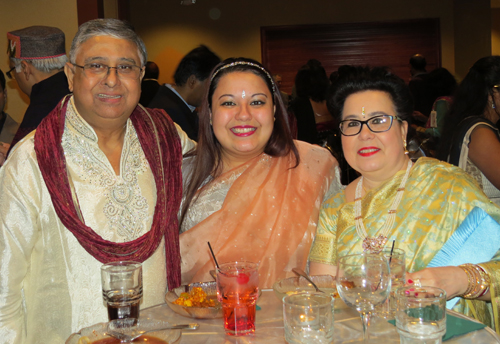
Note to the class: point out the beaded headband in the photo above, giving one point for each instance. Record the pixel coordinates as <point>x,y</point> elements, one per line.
<point>237,63</point>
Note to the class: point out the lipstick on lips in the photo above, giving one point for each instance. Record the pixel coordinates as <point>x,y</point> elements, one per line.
<point>368,151</point>
<point>243,130</point>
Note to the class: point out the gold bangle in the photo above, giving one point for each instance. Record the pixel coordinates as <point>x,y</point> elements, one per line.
<point>479,281</point>
<point>485,281</point>
<point>470,284</point>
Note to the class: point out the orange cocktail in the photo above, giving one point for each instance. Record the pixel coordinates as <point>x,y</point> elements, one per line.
<point>237,290</point>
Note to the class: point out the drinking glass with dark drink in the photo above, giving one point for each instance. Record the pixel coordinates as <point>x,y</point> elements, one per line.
<point>237,290</point>
<point>122,289</point>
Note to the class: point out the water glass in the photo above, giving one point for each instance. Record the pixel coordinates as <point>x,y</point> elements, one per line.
<point>122,289</point>
<point>237,291</point>
<point>396,258</point>
<point>308,318</point>
<point>421,315</point>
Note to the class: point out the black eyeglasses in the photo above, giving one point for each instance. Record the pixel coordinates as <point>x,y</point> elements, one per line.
<point>100,70</point>
<point>377,124</point>
<point>9,75</point>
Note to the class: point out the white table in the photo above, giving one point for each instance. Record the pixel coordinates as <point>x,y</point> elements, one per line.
<point>269,327</point>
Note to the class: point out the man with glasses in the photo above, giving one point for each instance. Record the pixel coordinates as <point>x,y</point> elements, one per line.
<point>8,126</point>
<point>37,55</point>
<point>101,182</point>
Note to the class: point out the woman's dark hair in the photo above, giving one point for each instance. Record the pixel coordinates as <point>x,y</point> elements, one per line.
<point>208,152</point>
<point>354,79</point>
<point>441,83</point>
<point>470,99</point>
<point>311,81</point>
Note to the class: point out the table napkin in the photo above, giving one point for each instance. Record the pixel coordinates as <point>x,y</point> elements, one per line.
<point>456,326</point>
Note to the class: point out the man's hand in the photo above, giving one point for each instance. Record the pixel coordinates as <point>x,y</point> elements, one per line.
<point>420,116</point>
<point>4,148</point>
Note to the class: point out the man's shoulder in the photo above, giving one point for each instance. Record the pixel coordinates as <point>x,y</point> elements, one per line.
<point>56,85</point>
<point>23,151</point>
<point>10,118</point>
<point>164,95</point>
<point>167,100</point>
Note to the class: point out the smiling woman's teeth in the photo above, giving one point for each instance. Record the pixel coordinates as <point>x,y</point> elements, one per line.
<point>364,151</point>
<point>242,130</point>
<point>108,96</point>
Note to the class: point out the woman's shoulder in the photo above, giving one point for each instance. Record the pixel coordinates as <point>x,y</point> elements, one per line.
<point>308,151</point>
<point>430,170</point>
<point>432,165</point>
<point>335,202</point>
<point>187,167</point>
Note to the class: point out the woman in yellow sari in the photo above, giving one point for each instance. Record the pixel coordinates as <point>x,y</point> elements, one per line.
<point>419,206</point>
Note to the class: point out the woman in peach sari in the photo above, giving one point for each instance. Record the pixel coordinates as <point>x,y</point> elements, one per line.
<point>249,189</point>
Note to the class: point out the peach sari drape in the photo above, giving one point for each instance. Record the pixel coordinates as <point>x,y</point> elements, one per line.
<point>269,215</point>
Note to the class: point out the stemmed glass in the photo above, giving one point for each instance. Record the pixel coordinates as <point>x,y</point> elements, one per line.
<point>363,282</point>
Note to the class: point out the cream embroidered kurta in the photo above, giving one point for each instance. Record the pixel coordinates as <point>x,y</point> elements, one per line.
<point>50,286</point>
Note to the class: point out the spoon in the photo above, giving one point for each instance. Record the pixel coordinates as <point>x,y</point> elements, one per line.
<point>302,273</point>
<point>126,330</point>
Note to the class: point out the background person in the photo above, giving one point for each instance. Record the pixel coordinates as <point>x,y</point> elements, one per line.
<point>419,206</point>
<point>250,190</point>
<point>470,137</point>
<point>313,83</point>
<point>99,181</point>
<point>419,88</point>
<point>149,84</point>
<point>181,99</point>
<point>285,97</point>
<point>442,85</point>
<point>8,126</point>
<point>37,55</point>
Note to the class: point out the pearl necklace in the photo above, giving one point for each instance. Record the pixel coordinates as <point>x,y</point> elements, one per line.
<point>376,244</point>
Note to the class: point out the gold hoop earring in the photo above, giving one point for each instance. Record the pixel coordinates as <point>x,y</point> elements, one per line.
<point>211,122</point>
<point>406,150</point>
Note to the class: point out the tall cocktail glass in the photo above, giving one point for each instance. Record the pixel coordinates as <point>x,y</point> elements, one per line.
<point>396,258</point>
<point>122,289</point>
<point>237,290</point>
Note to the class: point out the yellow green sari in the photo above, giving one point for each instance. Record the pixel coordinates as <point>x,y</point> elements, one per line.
<point>437,198</point>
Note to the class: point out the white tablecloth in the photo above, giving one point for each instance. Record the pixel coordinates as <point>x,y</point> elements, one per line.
<point>269,327</point>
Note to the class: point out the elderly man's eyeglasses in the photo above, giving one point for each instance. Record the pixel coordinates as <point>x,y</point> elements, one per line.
<point>9,73</point>
<point>100,70</point>
<point>377,124</point>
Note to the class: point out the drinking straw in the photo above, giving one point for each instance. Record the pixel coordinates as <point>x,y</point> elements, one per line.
<point>390,256</point>
<point>213,255</point>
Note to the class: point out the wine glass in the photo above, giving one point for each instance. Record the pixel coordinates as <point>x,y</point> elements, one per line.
<point>363,282</point>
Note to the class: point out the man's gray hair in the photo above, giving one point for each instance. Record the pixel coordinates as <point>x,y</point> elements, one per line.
<point>107,27</point>
<point>43,65</point>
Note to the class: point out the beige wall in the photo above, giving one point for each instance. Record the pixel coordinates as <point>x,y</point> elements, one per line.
<point>495,31</point>
<point>473,28</point>
<point>23,13</point>
<point>171,30</point>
